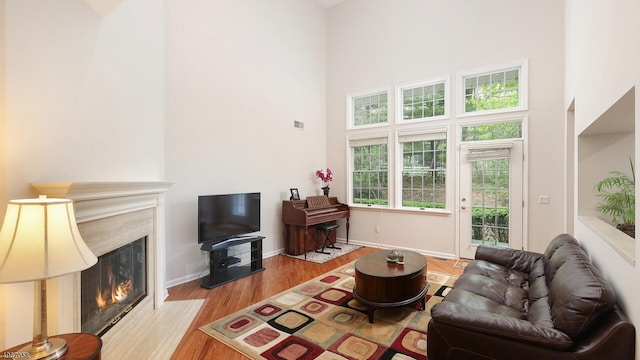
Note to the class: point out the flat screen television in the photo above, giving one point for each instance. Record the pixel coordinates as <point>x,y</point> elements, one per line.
<point>227,216</point>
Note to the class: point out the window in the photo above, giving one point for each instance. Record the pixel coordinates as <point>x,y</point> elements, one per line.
<point>411,174</point>
<point>494,90</point>
<point>369,171</point>
<point>424,169</point>
<point>368,109</point>
<point>423,101</point>
<point>492,131</point>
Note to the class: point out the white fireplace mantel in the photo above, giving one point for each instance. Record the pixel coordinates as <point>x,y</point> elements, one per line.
<point>98,190</point>
<point>107,213</point>
<point>96,200</point>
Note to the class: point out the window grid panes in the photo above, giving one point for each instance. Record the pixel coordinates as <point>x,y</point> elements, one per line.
<point>423,101</point>
<point>370,109</point>
<point>370,175</point>
<point>490,211</point>
<point>492,131</point>
<point>491,91</point>
<point>424,170</point>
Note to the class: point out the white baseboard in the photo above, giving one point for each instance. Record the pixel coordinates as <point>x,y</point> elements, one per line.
<point>419,251</point>
<point>205,272</point>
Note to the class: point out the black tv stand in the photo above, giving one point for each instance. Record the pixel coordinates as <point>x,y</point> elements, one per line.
<point>232,259</point>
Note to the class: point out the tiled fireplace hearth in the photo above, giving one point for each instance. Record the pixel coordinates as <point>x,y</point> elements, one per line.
<point>110,216</point>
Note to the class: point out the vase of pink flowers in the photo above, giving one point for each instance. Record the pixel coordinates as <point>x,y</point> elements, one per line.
<point>325,176</point>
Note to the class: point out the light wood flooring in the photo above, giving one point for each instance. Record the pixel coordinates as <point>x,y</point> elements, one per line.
<point>282,273</point>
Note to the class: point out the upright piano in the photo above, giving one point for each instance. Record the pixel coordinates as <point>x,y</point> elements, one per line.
<point>300,216</point>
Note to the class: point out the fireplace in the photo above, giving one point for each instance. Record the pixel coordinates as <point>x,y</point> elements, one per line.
<point>110,216</point>
<point>113,287</point>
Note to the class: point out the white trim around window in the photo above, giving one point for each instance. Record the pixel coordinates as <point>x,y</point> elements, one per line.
<point>423,134</point>
<point>523,81</point>
<point>364,139</point>
<point>364,94</point>
<point>490,120</point>
<point>427,88</point>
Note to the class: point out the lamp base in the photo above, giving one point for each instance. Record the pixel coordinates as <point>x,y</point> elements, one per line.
<point>53,350</point>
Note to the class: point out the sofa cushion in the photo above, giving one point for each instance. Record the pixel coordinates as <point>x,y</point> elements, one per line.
<point>481,304</point>
<point>540,313</point>
<point>497,292</point>
<point>497,272</point>
<point>562,254</point>
<point>538,269</point>
<point>557,242</point>
<point>493,324</point>
<point>539,309</point>
<point>538,289</point>
<point>518,260</point>
<point>579,296</point>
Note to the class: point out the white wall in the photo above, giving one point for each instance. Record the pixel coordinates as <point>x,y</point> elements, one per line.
<point>84,102</point>
<point>84,93</point>
<point>381,43</point>
<point>239,73</point>
<point>601,66</point>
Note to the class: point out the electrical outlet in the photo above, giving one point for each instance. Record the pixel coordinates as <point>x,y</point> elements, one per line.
<point>377,228</point>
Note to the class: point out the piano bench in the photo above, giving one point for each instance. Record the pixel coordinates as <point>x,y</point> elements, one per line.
<point>326,229</point>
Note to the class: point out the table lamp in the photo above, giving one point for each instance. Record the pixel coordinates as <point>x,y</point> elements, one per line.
<point>40,240</point>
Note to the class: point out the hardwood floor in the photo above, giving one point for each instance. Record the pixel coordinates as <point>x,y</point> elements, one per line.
<point>282,272</point>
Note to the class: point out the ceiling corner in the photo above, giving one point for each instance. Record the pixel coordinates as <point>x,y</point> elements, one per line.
<point>103,7</point>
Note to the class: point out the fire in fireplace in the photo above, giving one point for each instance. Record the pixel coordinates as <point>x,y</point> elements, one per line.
<point>113,286</point>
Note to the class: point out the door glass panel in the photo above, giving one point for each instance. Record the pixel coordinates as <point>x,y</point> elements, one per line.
<point>490,202</point>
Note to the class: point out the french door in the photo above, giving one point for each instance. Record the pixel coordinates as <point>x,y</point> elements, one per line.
<point>490,204</point>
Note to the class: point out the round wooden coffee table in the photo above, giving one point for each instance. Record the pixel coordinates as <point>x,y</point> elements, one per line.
<point>383,284</point>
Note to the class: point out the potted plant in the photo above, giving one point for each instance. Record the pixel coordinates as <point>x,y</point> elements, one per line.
<point>325,177</point>
<point>618,194</point>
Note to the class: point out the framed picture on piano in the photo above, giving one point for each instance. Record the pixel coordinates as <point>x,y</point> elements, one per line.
<point>295,195</point>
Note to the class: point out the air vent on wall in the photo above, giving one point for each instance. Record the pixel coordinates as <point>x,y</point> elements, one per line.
<point>298,125</point>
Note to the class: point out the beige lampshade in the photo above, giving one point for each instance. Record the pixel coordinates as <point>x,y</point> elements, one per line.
<point>40,240</point>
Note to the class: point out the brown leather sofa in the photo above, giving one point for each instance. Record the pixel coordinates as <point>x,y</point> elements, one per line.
<point>511,304</point>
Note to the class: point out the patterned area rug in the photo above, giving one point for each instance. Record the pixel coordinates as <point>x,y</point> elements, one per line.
<point>462,263</point>
<point>334,253</point>
<point>320,319</point>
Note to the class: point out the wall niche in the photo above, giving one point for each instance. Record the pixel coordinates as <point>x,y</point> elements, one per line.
<point>605,146</point>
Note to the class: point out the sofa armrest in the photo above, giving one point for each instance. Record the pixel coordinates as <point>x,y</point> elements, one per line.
<point>520,260</point>
<point>456,315</point>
